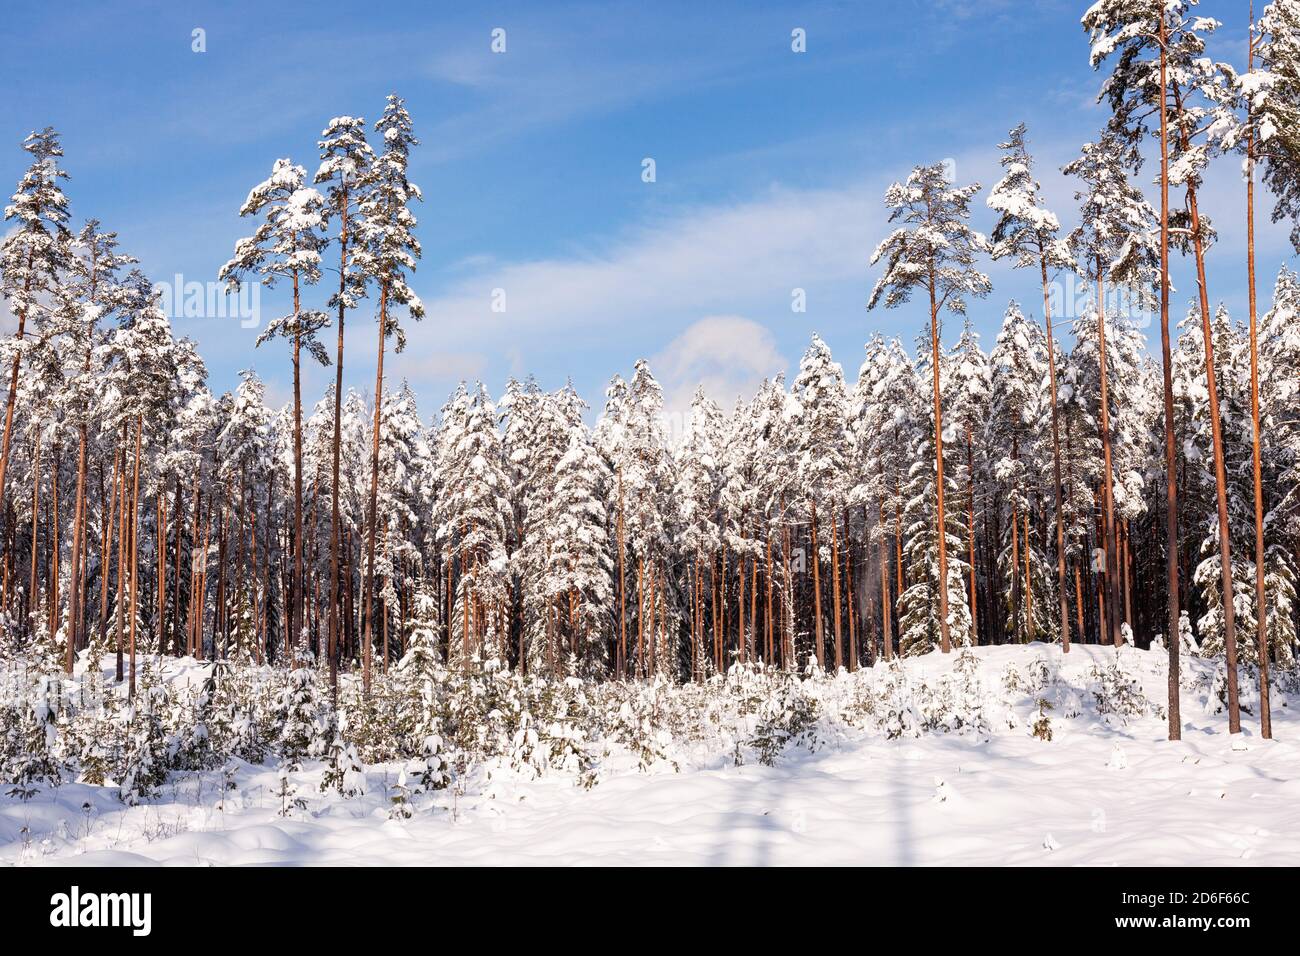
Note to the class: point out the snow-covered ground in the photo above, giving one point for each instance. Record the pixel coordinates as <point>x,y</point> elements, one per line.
<point>1101,791</point>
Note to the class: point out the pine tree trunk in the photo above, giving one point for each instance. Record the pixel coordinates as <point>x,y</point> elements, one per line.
<point>1261,604</point>
<point>253,588</point>
<point>898,546</point>
<point>740,607</point>
<point>105,558</point>
<point>1171,460</point>
<point>52,599</point>
<point>1016,618</point>
<point>371,515</point>
<point>179,521</point>
<point>849,588</point>
<point>135,546</point>
<point>753,608</point>
<point>970,533</point>
<point>621,663</point>
<point>885,629</point>
<point>1056,463</point>
<point>295,589</point>
<point>817,592</point>
<point>33,598</point>
<point>713,618</point>
<point>161,538</point>
<point>1220,476</point>
<point>1078,601</point>
<point>1127,552</point>
<point>1030,631</point>
<point>767,617</point>
<point>945,640</point>
<point>219,648</point>
<point>201,592</point>
<point>335,443</point>
<point>194,559</point>
<point>835,588</point>
<point>787,609</point>
<point>123,539</point>
<point>74,590</point>
<point>695,617</point>
<point>640,616</point>
<point>1107,495</point>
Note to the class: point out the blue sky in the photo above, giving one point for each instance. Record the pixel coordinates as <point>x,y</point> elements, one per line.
<point>770,165</point>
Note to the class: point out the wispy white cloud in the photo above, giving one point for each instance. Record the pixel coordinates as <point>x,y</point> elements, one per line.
<point>676,269</point>
<point>728,355</point>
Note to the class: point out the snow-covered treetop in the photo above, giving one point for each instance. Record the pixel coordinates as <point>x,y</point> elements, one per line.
<point>1270,95</point>
<point>38,198</point>
<point>345,155</point>
<point>389,248</point>
<point>1116,238</point>
<point>818,411</point>
<point>346,160</point>
<point>288,240</point>
<point>286,244</point>
<point>143,376</point>
<point>34,252</point>
<point>1024,229</point>
<point>1131,31</point>
<point>934,248</point>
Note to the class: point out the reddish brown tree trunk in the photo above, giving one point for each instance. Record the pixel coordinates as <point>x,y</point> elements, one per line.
<point>945,639</point>
<point>1261,605</point>
<point>1107,493</point>
<point>1171,457</point>
<point>1056,463</point>
<point>371,515</point>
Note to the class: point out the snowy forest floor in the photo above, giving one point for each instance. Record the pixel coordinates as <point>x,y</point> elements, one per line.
<point>1101,791</point>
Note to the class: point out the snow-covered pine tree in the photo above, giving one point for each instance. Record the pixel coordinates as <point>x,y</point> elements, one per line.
<point>404,466</point>
<point>920,625</point>
<point>578,581</point>
<point>1030,233</point>
<point>1249,109</point>
<point>697,493</point>
<point>33,749</point>
<point>934,249</point>
<point>1270,95</point>
<point>1019,416</point>
<point>536,439</point>
<point>298,713</point>
<point>472,518</point>
<point>287,245</point>
<point>1114,242</point>
<point>737,505</point>
<point>1233,365</point>
<point>969,410</point>
<point>632,438</point>
<point>33,256</point>
<point>90,297</point>
<point>1160,57</point>
<point>388,251</point>
<point>242,462</point>
<point>1279,401</point>
<point>143,385</point>
<point>885,416</point>
<point>1130,412</point>
<point>819,418</point>
<point>345,166</point>
<point>776,511</point>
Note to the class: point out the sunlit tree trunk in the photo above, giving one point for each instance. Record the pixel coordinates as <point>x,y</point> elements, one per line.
<point>945,639</point>
<point>372,509</point>
<point>1261,605</point>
